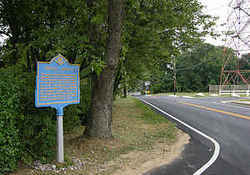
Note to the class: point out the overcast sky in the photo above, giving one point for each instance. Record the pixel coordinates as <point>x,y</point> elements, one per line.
<point>220,9</point>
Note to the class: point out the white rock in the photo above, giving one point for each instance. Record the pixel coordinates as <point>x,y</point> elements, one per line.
<point>173,96</point>
<point>200,94</point>
<point>214,95</point>
<point>53,167</point>
<point>187,97</point>
<point>235,95</point>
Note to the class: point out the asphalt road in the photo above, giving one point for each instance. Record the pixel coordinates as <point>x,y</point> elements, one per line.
<point>227,123</point>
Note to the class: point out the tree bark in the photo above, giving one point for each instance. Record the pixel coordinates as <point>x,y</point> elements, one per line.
<point>125,91</point>
<point>100,121</point>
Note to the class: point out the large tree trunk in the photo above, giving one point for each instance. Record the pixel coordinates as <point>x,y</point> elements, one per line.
<point>99,123</point>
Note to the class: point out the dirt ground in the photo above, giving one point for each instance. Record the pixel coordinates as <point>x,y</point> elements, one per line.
<point>161,154</point>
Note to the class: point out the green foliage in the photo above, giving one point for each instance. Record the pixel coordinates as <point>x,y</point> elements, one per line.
<point>33,130</point>
<point>199,67</point>
<point>154,33</point>
<point>71,117</point>
<point>85,105</point>
<point>75,115</point>
<point>9,139</point>
<point>9,143</point>
<point>196,69</point>
<point>39,30</point>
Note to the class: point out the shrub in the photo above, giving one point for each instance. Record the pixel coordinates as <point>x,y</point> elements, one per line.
<point>84,107</point>
<point>9,139</point>
<point>9,143</point>
<point>37,127</point>
<point>26,133</point>
<point>71,118</point>
<point>75,115</point>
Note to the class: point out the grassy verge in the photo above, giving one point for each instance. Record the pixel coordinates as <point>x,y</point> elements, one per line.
<point>245,102</point>
<point>248,100</point>
<point>136,128</point>
<point>190,94</point>
<point>196,94</point>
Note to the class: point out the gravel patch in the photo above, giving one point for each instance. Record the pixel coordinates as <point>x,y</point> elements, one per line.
<point>78,164</point>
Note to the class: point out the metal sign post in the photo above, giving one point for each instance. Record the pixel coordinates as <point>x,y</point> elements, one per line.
<point>60,150</point>
<point>57,85</point>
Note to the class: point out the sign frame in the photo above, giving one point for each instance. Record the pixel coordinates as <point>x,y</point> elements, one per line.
<point>55,83</point>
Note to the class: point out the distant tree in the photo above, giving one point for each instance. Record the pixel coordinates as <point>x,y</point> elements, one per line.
<point>244,62</point>
<point>199,67</point>
<point>244,65</point>
<point>196,68</point>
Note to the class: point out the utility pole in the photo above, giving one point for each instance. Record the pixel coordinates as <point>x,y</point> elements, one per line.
<point>174,76</point>
<point>172,66</point>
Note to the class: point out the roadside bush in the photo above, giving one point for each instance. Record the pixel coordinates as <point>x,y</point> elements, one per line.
<point>84,107</point>
<point>75,115</point>
<point>9,143</point>
<point>9,139</point>
<point>26,133</point>
<point>37,127</point>
<point>71,118</point>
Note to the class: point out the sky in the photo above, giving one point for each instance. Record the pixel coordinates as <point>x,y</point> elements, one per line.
<point>218,8</point>
<point>227,15</point>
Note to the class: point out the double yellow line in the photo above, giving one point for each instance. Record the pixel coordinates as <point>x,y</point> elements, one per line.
<point>219,111</point>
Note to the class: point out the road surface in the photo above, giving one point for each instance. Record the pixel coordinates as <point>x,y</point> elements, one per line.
<point>227,123</point>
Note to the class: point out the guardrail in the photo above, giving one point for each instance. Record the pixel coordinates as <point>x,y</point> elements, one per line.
<point>229,89</point>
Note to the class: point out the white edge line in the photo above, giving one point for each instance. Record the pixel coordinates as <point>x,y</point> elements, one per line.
<point>216,144</point>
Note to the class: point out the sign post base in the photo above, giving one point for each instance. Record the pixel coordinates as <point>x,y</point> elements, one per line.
<point>60,149</point>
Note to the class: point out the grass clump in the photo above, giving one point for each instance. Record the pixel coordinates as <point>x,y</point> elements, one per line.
<point>148,114</point>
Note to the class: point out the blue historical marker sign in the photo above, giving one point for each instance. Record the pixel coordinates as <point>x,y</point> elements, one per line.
<point>57,84</point>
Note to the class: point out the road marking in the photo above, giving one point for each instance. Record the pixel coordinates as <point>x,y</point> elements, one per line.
<point>234,106</point>
<point>217,110</point>
<point>216,144</point>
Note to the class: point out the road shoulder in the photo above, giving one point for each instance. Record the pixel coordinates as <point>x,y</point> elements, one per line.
<point>160,155</point>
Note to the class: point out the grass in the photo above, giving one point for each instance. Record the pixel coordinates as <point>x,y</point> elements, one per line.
<point>244,100</point>
<point>135,128</point>
<point>191,94</point>
<point>194,94</point>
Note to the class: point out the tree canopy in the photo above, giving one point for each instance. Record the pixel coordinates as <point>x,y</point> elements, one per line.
<point>152,31</point>
<point>156,31</point>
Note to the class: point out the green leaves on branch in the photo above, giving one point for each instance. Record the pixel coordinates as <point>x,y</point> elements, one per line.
<point>97,66</point>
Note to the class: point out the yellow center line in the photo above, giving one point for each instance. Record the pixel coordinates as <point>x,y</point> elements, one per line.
<point>219,111</point>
